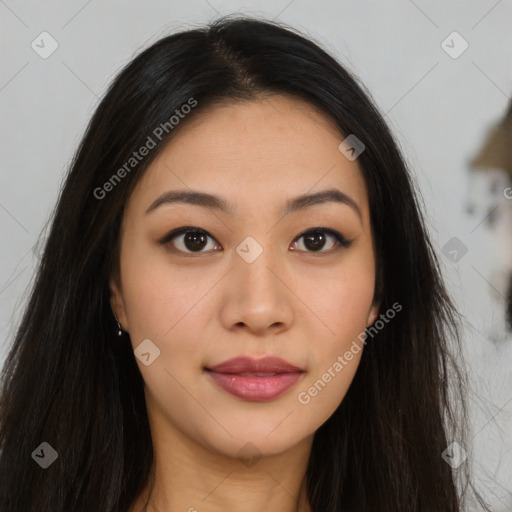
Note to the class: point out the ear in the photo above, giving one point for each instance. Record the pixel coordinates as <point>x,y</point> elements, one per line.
<point>377,300</point>
<point>373,313</point>
<point>117,303</point>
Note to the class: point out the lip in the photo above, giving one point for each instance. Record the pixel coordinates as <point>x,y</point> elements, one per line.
<point>246,364</point>
<point>229,376</point>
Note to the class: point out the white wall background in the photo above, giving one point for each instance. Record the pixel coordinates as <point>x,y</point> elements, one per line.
<point>439,108</point>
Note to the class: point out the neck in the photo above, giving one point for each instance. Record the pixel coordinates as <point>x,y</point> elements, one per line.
<point>192,479</point>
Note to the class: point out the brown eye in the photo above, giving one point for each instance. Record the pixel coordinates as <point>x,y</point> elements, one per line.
<point>188,240</point>
<point>316,239</point>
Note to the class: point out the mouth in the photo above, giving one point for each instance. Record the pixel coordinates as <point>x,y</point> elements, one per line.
<point>256,380</point>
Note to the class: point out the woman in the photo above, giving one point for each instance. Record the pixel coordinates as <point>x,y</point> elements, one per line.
<point>238,306</point>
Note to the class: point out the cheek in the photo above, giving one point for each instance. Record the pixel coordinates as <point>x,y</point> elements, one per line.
<point>163,308</point>
<point>342,298</point>
<point>343,306</point>
<point>158,296</point>
<point>344,313</point>
<point>342,301</point>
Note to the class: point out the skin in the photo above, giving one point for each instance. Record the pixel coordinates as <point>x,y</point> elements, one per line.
<point>202,308</point>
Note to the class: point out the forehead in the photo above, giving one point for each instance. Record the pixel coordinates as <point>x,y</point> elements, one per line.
<point>255,153</point>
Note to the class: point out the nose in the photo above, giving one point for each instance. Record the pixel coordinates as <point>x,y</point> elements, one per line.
<point>258,296</point>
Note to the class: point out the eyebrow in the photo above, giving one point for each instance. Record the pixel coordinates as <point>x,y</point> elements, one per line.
<point>295,204</point>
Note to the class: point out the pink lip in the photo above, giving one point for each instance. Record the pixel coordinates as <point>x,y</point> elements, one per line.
<point>245,364</point>
<point>253,387</point>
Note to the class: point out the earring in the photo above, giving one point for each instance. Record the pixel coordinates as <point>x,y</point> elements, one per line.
<point>119,328</point>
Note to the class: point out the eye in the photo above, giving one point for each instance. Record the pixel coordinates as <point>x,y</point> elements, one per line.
<point>315,239</point>
<point>189,239</point>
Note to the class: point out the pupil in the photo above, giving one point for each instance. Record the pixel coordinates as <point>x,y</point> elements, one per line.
<point>198,240</point>
<point>309,240</point>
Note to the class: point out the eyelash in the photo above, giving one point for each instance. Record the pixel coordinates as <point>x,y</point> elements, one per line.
<point>340,239</point>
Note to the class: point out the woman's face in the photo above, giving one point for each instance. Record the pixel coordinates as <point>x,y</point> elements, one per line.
<point>251,285</point>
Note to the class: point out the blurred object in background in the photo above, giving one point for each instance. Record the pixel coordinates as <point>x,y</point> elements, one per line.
<point>497,149</point>
<point>491,200</point>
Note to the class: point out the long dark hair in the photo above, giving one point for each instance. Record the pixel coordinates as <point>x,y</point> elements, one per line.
<point>70,382</point>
